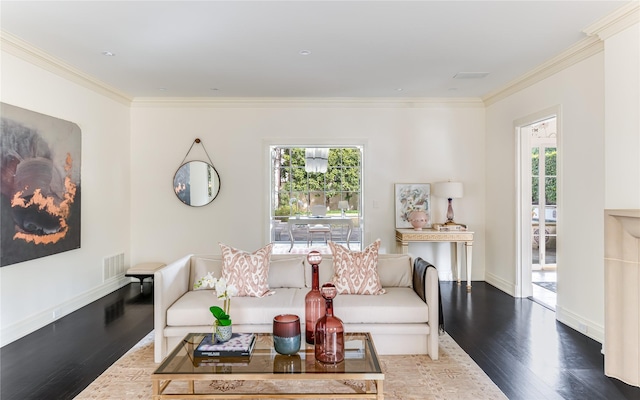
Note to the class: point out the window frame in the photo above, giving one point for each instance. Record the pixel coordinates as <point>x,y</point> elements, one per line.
<point>357,204</point>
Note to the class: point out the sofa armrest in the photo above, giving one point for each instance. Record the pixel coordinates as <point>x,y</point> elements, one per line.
<point>169,284</point>
<point>426,285</point>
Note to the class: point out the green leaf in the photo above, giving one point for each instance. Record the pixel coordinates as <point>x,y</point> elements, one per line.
<point>223,318</point>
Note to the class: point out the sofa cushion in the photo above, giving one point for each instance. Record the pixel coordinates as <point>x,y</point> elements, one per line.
<point>192,308</point>
<point>356,272</point>
<point>397,305</point>
<point>395,270</point>
<point>201,265</point>
<point>286,272</point>
<point>325,270</point>
<point>248,272</point>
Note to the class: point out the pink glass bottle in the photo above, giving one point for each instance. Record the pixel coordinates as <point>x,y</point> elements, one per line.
<point>313,301</point>
<point>329,334</point>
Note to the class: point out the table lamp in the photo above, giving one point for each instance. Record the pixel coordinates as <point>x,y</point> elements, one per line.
<point>449,190</point>
<point>343,205</point>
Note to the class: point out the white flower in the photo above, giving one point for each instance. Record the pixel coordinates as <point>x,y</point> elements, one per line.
<point>221,288</point>
<point>206,281</point>
<point>223,291</point>
<point>232,290</point>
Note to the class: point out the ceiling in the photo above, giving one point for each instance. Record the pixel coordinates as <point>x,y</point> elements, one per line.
<point>253,48</point>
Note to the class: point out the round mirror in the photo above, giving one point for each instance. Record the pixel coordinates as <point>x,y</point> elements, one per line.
<point>196,183</point>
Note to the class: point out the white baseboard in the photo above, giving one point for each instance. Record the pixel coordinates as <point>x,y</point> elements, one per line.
<point>500,283</point>
<point>582,325</point>
<point>572,320</point>
<point>22,328</point>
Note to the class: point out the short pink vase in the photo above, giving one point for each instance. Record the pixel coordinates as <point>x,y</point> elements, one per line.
<point>418,219</point>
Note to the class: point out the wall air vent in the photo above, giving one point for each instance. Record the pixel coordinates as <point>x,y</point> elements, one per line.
<point>470,75</point>
<point>113,266</point>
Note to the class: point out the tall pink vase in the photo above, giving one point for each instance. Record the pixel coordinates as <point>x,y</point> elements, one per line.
<point>313,301</point>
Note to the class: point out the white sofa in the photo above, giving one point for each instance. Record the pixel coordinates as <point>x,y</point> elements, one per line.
<point>400,321</point>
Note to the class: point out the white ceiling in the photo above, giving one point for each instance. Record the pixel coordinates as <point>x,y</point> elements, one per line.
<point>252,48</point>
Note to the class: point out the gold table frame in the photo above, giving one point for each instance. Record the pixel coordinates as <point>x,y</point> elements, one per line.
<point>180,365</point>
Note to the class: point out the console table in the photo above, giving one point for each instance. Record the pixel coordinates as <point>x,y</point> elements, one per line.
<point>406,236</point>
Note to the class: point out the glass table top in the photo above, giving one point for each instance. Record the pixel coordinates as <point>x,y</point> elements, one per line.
<point>360,358</point>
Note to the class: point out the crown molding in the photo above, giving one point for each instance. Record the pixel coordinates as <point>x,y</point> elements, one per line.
<point>615,22</point>
<point>25,51</point>
<point>584,49</point>
<point>604,28</point>
<point>305,102</point>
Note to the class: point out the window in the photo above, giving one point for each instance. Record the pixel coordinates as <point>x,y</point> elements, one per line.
<point>303,177</point>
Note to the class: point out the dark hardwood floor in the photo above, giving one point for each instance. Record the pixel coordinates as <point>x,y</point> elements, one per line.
<point>517,342</point>
<point>524,350</point>
<point>61,359</point>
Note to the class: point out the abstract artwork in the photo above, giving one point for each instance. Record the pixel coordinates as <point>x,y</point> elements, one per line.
<point>40,185</point>
<point>410,197</point>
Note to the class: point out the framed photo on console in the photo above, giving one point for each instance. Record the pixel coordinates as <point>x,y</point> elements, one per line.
<point>410,197</point>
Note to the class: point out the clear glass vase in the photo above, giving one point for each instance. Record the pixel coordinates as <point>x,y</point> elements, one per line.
<point>329,334</point>
<point>313,301</point>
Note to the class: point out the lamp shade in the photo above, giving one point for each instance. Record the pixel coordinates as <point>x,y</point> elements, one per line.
<point>449,190</point>
<point>343,204</point>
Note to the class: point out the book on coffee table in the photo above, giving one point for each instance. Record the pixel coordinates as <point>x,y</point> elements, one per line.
<point>240,345</point>
<point>240,361</point>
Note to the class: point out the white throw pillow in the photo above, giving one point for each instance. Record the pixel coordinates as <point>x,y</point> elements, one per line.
<point>201,266</point>
<point>286,273</point>
<point>395,270</point>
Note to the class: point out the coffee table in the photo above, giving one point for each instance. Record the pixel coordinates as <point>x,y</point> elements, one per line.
<point>361,364</point>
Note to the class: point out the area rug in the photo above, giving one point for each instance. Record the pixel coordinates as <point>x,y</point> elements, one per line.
<point>416,377</point>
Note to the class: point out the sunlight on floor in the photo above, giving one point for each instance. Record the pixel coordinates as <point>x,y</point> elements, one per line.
<point>541,295</point>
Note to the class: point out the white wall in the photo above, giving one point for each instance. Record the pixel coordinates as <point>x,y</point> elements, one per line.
<point>579,91</point>
<point>622,141</point>
<point>403,143</point>
<point>31,291</point>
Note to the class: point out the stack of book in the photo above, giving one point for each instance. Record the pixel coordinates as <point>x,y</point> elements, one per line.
<point>236,350</point>
<point>449,227</point>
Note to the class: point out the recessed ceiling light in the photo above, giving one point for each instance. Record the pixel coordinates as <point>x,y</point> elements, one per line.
<point>108,53</point>
<point>470,75</point>
<point>399,89</point>
<point>305,52</point>
<point>162,89</point>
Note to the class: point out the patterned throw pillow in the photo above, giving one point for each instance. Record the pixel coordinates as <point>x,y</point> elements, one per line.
<point>247,271</point>
<point>356,272</point>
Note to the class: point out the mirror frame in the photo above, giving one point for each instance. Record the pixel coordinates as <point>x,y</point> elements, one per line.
<point>214,177</point>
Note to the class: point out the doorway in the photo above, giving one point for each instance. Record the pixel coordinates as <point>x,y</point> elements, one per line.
<point>539,210</point>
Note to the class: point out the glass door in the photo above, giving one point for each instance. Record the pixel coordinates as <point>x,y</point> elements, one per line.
<point>543,206</point>
<point>544,211</point>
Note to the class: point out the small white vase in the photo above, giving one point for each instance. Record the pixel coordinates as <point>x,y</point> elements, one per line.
<point>222,333</point>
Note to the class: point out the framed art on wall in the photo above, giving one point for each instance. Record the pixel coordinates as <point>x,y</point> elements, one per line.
<point>410,197</point>
<point>40,186</point>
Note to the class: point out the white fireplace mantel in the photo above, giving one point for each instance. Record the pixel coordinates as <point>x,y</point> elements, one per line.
<point>622,298</point>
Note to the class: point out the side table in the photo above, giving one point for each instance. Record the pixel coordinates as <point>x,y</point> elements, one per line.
<point>406,236</point>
